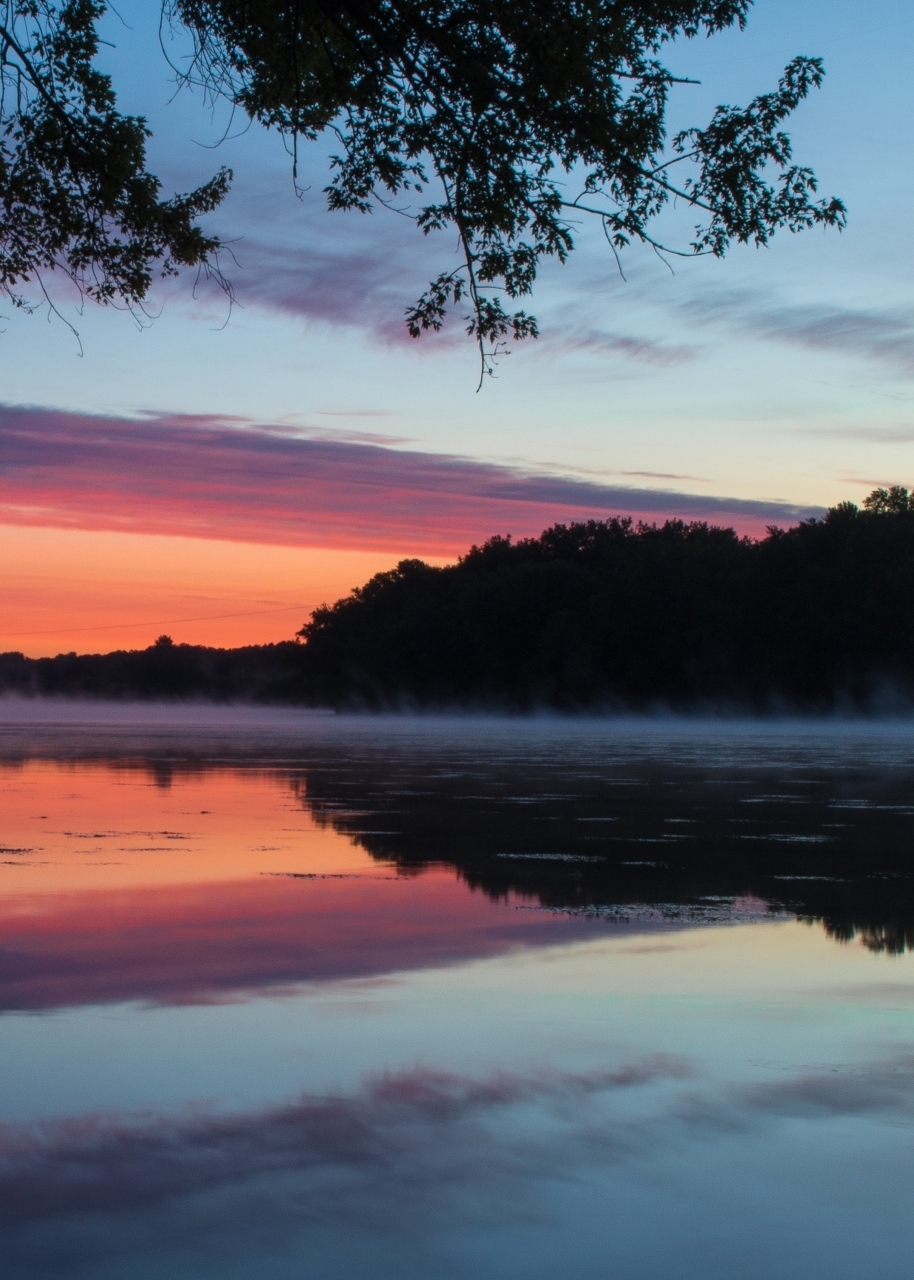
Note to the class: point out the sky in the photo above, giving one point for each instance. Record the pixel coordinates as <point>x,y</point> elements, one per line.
<point>217,473</point>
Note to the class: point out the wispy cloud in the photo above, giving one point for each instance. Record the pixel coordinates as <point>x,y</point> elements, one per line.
<point>886,337</point>
<point>663,355</point>
<point>361,287</point>
<point>875,482</point>
<point>217,477</point>
<point>863,434</point>
<point>663,475</point>
<point>368,272</point>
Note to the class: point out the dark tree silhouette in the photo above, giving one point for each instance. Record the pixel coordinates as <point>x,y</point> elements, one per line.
<point>505,121</point>
<point>609,613</point>
<point>599,615</point>
<point>501,122</point>
<point>255,673</point>
<point>75,194</point>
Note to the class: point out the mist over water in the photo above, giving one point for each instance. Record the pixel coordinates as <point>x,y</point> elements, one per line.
<point>291,994</point>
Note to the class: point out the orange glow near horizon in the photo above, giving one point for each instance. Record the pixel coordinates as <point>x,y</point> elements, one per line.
<point>75,826</point>
<point>125,880</point>
<point>90,591</point>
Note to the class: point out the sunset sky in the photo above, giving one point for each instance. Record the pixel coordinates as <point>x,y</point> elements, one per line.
<point>216,474</point>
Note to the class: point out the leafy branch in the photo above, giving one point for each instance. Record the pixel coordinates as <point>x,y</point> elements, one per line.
<point>469,116</point>
<point>75,195</point>
<point>493,105</point>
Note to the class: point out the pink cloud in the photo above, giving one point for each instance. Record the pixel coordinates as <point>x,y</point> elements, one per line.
<point>222,478</point>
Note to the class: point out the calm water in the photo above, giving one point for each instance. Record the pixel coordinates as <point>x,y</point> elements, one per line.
<point>291,996</point>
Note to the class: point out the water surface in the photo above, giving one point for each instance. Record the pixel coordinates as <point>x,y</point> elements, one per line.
<point>302,996</point>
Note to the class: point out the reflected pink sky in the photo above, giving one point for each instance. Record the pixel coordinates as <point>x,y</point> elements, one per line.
<point>216,886</point>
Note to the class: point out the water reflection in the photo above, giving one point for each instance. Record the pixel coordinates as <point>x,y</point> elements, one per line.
<point>343,999</point>
<point>632,826</point>
<point>628,836</point>
<point>212,942</point>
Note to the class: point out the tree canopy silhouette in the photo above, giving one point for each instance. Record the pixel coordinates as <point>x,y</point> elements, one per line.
<point>608,613</point>
<point>592,616</point>
<point>75,194</point>
<point>504,123</point>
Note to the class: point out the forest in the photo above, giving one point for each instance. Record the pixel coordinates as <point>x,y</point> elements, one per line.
<point>617,615</point>
<point>163,672</point>
<point>592,616</point>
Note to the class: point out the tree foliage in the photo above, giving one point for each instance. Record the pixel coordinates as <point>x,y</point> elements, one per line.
<point>507,122</point>
<point>501,122</point>
<point>604,613</point>
<point>75,194</point>
<point>270,673</point>
<point>616,614</point>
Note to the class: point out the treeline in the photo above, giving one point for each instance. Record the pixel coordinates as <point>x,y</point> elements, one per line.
<point>256,673</point>
<point>596,615</point>
<point>613,614</point>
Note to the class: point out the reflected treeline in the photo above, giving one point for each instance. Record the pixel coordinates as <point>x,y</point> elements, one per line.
<point>828,845</point>
<point>589,818</point>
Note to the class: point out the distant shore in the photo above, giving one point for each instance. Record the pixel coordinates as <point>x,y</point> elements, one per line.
<point>598,618</point>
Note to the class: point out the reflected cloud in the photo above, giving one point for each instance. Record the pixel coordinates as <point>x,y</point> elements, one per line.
<point>842,1091</point>
<point>824,1093</point>
<point>393,1127</point>
<point>414,1134</point>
